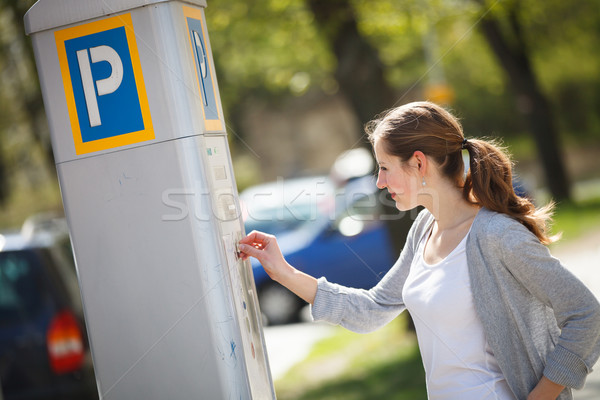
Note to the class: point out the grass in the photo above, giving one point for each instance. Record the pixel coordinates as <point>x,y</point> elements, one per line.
<point>386,364</point>
<point>575,219</point>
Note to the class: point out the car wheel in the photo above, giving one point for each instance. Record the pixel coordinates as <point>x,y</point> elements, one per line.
<point>278,305</point>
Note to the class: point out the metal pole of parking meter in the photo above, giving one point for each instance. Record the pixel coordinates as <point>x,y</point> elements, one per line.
<point>145,172</point>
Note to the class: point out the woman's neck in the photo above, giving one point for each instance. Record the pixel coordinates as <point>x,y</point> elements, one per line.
<point>448,206</point>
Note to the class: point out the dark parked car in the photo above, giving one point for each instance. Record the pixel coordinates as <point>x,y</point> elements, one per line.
<point>322,230</point>
<point>44,352</point>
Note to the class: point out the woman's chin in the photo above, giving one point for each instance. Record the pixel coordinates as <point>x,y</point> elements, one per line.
<point>402,207</point>
<point>405,207</point>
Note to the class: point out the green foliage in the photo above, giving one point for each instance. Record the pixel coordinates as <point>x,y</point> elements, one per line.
<point>267,47</point>
<point>272,49</point>
<point>23,133</point>
<point>27,199</point>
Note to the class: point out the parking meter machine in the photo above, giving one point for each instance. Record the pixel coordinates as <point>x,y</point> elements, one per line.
<point>145,172</point>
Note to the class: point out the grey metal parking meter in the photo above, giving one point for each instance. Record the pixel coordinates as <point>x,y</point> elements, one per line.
<point>145,172</point>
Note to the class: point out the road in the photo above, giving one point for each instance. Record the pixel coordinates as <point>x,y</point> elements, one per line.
<point>583,259</point>
<point>288,345</point>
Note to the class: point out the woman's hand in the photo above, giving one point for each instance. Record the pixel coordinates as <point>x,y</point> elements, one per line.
<point>545,390</point>
<point>265,249</point>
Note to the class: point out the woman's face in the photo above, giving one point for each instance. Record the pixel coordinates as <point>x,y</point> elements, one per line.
<point>402,181</point>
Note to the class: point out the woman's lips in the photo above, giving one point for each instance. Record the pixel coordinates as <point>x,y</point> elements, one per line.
<point>393,195</point>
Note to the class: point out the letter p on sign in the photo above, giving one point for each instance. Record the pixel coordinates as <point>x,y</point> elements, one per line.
<point>105,86</point>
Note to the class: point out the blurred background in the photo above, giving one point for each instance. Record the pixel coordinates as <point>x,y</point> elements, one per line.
<point>300,78</point>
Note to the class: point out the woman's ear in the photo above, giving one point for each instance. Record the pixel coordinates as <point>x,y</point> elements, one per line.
<point>421,161</point>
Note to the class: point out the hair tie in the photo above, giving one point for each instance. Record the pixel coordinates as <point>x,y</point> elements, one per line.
<point>464,144</point>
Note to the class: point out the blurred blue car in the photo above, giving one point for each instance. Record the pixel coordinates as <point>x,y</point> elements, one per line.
<point>322,230</point>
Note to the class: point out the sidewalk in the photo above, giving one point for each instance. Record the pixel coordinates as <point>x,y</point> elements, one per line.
<point>289,344</point>
<point>583,259</point>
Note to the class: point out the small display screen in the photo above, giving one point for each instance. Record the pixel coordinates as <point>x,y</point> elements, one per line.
<point>220,173</point>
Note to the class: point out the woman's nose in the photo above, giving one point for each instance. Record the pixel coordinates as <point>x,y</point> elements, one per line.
<point>381,181</point>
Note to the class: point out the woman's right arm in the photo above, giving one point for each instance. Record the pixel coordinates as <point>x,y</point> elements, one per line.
<point>356,309</point>
<point>361,310</point>
<point>367,310</point>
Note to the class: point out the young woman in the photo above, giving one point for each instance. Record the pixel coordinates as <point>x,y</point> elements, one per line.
<point>497,317</point>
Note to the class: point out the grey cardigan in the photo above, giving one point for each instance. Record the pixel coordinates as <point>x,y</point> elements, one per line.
<point>538,317</point>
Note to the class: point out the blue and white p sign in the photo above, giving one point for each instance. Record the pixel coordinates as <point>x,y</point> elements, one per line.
<point>104,86</point>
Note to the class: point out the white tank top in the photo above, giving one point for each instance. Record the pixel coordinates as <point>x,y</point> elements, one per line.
<point>458,361</point>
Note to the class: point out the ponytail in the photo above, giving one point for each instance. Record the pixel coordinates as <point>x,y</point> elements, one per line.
<point>427,127</point>
<point>489,184</point>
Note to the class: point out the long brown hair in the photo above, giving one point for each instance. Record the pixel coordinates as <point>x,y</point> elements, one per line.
<point>427,127</point>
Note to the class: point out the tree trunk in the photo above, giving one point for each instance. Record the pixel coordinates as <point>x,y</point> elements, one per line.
<point>511,52</point>
<point>359,71</point>
<point>32,102</point>
<point>360,75</point>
